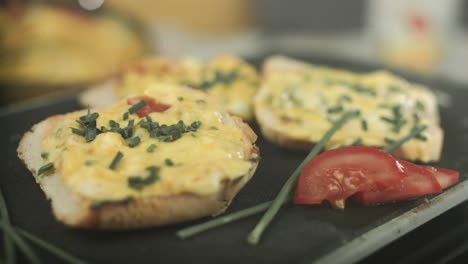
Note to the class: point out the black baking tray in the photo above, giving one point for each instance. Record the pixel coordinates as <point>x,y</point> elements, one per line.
<point>299,234</point>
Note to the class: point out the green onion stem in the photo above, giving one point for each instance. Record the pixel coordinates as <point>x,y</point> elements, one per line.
<point>255,235</point>
<point>396,144</point>
<point>219,221</point>
<point>27,250</point>
<point>50,248</point>
<point>10,255</point>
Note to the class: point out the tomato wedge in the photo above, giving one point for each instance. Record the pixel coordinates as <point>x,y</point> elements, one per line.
<point>445,177</point>
<point>337,174</point>
<point>419,181</point>
<point>151,105</point>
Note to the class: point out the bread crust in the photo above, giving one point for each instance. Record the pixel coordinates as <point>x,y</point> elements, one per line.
<point>75,210</point>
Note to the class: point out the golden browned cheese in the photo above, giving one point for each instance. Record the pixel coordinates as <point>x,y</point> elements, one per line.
<point>228,78</point>
<point>308,102</point>
<point>196,163</point>
<point>55,46</point>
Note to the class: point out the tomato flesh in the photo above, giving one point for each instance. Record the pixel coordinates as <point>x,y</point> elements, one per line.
<point>151,105</point>
<point>337,174</point>
<point>419,182</point>
<point>445,177</point>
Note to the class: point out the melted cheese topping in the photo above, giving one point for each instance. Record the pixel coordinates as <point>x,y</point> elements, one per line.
<point>232,81</point>
<point>217,151</point>
<point>307,102</point>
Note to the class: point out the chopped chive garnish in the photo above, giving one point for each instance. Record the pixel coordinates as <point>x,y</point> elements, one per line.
<point>273,209</point>
<point>134,141</point>
<point>180,98</point>
<point>13,237</point>
<point>364,124</point>
<point>420,137</point>
<point>214,128</point>
<point>89,162</point>
<point>138,183</point>
<point>389,140</point>
<point>45,168</point>
<point>90,134</point>
<point>151,148</point>
<point>357,142</point>
<point>396,144</point>
<point>49,247</point>
<point>77,131</point>
<point>387,119</point>
<point>168,162</point>
<point>335,109</point>
<point>44,155</point>
<point>134,108</point>
<point>125,116</point>
<point>116,160</point>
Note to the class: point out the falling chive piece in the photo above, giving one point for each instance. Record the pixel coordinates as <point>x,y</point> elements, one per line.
<point>125,116</point>
<point>45,168</point>
<point>44,155</point>
<point>134,108</point>
<point>116,160</point>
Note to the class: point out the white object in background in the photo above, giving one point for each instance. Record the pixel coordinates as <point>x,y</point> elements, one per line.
<point>413,34</point>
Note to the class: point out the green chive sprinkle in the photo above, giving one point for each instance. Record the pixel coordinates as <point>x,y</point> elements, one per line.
<point>44,155</point>
<point>125,116</point>
<point>90,162</point>
<point>335,109</point>
<point>77,131</point>
<point>396,144</point>
<point>364,124</point>
<point>116,160</point>
<point>151,148</point>
<point>134,141</point>
<point>169,162</point>
<point>136,107</point>
<point>45,168</point>
<point>138,183</point>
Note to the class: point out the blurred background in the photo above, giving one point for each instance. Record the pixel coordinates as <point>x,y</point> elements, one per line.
<point>64,45</point>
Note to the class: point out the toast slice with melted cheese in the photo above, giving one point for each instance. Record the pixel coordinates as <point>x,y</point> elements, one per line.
<point>298,102</point>
<point>228,78</point>
<point>170,155</point>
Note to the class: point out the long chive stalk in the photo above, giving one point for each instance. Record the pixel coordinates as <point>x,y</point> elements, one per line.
<point>10,255</point>
<point>273,209</point>
<point>10,232</point>
<point>50,248</point>
<point>27,250</point>
<point>398,143</point>
<point>225,219</point>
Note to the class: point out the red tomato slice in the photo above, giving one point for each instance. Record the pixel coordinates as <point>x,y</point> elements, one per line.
<point>445,177</point>
<point>337,174</point>
<point>418,182</point>
<point>151,105</point>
